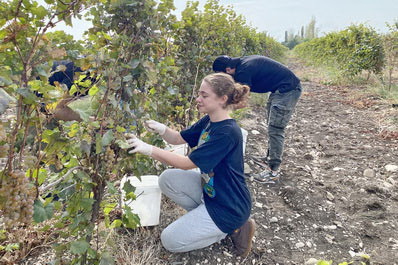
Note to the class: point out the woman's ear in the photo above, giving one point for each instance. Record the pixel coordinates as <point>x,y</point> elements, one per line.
<point>224,99</point>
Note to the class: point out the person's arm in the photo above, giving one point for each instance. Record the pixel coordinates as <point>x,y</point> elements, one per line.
<point>169,135</point>
<point>173,137</point>
<point>172,159</point>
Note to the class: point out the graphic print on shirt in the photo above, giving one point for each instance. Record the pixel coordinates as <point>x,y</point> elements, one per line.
<point>209,188</point>
<point>207,178</point>
<point>204,137</point>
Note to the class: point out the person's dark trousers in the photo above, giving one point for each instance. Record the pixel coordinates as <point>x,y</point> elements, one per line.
<point>280,107</point>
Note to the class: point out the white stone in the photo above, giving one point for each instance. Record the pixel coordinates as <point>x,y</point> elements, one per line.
<point>273,220</point>
<point>255,132</point>
<point>300,244</point>
<point>329,238</point>
<point>311,261</point>
<point>369,173</point>
<point>338,223</point>
<point>247,169</point>
<point>337,169</point>
<point>391,168</point>
<point>329,196</point>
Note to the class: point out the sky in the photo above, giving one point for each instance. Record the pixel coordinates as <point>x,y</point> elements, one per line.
<point>277,16</point>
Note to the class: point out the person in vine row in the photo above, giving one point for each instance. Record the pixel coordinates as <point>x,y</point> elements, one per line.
<point>65,75</point>
<point>264,75</point>
<point>217,198</point>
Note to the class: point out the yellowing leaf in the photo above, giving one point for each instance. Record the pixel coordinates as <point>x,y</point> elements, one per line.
<point>51,106</point>
<point>73,90</point>
<point>74,129</point>
<point>93,90</point>
<point>57,53</point>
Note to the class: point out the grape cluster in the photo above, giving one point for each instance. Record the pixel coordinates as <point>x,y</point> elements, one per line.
<point>4,150</point>
<point>3,146</point>
<point>109,157</point>
<point>17,196</point>
<point>3,134</point>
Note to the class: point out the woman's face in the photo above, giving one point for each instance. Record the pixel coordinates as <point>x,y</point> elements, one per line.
<point>207,101</point>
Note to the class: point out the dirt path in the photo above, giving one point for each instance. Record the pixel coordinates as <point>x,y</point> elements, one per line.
<point>337,199</point>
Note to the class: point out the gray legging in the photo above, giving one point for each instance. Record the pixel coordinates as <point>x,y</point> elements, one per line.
<point>280,107</point>
<point>195,229</point>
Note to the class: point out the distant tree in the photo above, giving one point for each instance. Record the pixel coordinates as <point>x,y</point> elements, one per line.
<point>306,33</point>
<point>310,30</point>
<point>61,40</point>
<point>390,45</point>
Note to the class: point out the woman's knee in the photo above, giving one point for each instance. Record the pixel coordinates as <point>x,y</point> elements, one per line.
<point>169,242</point>
<point>164,178</point>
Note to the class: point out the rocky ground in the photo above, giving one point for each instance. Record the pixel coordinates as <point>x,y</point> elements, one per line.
<point>338,199</point>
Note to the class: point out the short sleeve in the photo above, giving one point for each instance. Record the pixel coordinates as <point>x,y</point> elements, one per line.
<point>191,134</point>
<point>211,153</point>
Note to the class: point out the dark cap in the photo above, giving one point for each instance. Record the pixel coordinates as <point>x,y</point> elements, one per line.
<point>220,63</point>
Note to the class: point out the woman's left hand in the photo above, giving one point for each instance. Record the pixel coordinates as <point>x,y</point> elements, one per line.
<point>139,146</point>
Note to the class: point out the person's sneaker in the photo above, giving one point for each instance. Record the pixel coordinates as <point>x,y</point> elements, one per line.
<point>268,176</point>
<point>242,238</point>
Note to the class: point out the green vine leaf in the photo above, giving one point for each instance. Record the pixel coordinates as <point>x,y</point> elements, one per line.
<point>130,219</point>
<point>41,212</point>
<point>116,223</point>
<point>106,259</point>
<point>79,247</point>
<point>111,188</point>
<point>107,138</point>
<point>28,96</point>
<point>129,190</point>
<point>83,107</point>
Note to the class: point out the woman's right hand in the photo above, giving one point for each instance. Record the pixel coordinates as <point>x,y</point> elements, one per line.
<point>155,127</point>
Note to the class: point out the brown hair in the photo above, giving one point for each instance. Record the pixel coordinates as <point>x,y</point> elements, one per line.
<point>224,84</point>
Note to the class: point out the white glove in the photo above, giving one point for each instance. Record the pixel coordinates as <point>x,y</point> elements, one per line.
<point>155,127</point>
<point>139,146</point>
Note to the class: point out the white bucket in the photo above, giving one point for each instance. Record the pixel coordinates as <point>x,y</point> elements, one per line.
<point>244,134</point>
<point>147,203</point>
